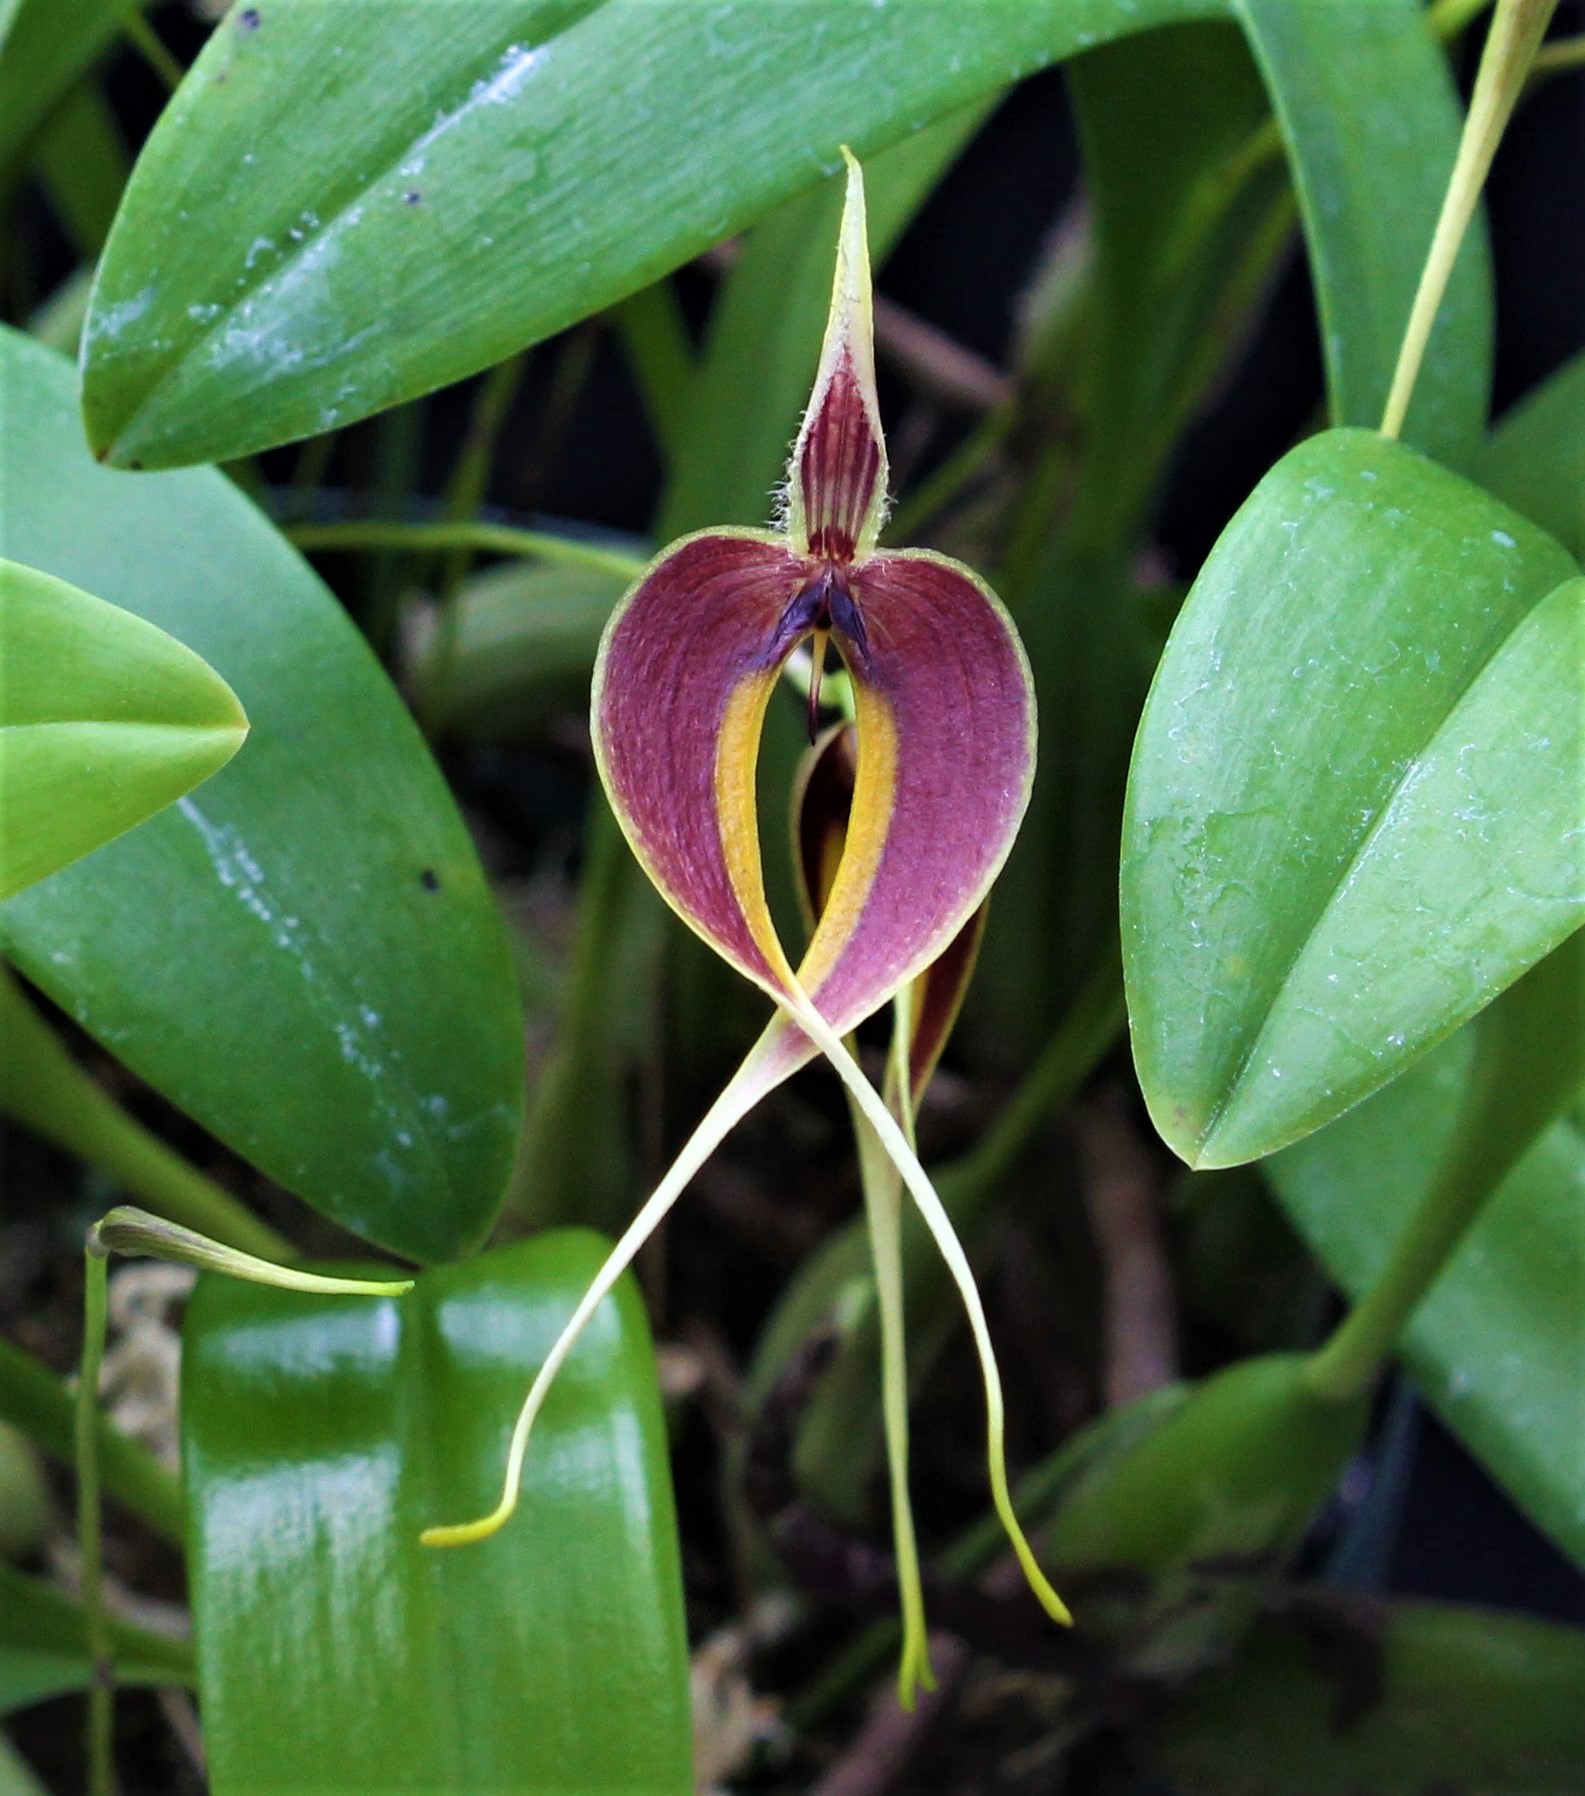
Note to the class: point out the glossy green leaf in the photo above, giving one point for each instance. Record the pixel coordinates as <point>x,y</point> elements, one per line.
<point>104,720</point>
<point>45,45</point>
<point>1353,806</point>
<point>305,956</point>
<point>1348,1697</point>
<point>1536,457</point>
<point>1498,1344</point>
<point>335,1652</point>
<point>44,1652</point>
<point>1367,107</point>
<point>463,180</point>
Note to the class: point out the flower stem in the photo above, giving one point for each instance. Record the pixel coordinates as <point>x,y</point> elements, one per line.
<point>803,1012</point>
<point>474,534</point>
<point>883,1215</point>
<point>1516,30</point>
<point>101,1664</point>
<point>883,1212</point>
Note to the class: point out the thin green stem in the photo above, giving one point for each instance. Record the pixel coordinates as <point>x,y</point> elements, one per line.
<point>101,1662</point>
<point>308,471</point>
<point>493,539</point>
<point>1347,1363</point>
<point>883,1213</point>
<point>150,46</point>
<point>1516,31</point>
<point>1557,58</point>
<point>883,1216</point>
<point>935,494</point>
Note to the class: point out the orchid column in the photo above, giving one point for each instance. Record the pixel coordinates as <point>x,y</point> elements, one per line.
<point>946,743</point>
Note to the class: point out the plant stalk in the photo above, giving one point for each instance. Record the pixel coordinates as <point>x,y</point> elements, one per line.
<point>1517,28</point>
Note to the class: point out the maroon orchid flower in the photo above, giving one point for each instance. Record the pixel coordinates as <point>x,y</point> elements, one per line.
<point>944,710</point>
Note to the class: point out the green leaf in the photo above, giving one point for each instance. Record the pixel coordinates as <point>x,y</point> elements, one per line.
<point>45,45</point>
<point>1536,457</point>
<point>104,720</point>
<point>334,1652</point>
<point>1343,1697</point>
<point>1498,1344</point>
<point>1352,812</point>
<point>314,967</point>
<point>251,295</point>
<point>44,1649</point>
<point>1371,119</point>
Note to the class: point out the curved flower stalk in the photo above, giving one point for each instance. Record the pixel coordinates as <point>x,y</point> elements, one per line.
<point>944,709</point>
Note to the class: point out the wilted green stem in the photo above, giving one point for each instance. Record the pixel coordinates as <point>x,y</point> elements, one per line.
<point>1516,31</point>
<point>101,1665</point>
<point>131,1231</point>
<point>496,539</point>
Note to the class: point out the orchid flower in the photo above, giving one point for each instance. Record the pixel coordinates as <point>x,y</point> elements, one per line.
<point>944,712</point>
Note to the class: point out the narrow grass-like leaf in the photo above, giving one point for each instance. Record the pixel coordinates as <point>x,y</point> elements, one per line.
<point>1353,806</point>
<point>335,996</point>
<point>337,1653</point>
<point>104,720</point>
